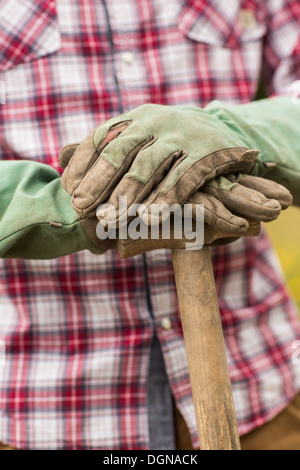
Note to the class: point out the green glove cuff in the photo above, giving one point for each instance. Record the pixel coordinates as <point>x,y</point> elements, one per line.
<point>272,126</point>
<point>37,220</point>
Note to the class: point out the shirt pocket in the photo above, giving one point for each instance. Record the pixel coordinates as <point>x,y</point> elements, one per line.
<point>28,30</point>
<point>229,24</point>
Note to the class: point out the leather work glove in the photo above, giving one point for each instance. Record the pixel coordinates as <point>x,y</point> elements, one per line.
<point>227,202</point>
<point>164,154</point>
<point>37,220</point>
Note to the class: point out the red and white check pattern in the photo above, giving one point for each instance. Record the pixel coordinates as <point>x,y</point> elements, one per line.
<point>78,329</point>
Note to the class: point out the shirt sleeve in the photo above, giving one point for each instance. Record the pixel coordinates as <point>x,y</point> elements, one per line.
<point>281,55</point>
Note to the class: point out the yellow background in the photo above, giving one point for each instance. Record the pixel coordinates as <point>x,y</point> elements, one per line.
<point>285,234</point>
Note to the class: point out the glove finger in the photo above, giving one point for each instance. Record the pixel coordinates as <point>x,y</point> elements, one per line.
<point>213,237</point>
<point>191,174</point>
<point>94,172</point>
<point>142,182</point>
<point>66,153</point>
<point>267,187</point>
<point>77,164</point>
<point>244,201</point>
<point>217,216</point>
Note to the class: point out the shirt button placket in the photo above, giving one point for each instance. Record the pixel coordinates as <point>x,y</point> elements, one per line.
<point>166,323</point>
<point>127,57</point>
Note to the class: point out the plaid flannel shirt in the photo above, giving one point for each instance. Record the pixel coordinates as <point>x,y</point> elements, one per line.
<point>78,329</point>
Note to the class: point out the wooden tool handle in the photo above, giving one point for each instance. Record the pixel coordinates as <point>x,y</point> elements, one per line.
<point>203,336</point>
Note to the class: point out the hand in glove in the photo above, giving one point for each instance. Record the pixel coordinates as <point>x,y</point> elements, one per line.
<point>37,220</point>
<point>91,176</point>
<point>161,154</point>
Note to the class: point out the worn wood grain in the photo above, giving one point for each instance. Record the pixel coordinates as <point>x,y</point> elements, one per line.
<point>204,342</point>
<point>203,336</point>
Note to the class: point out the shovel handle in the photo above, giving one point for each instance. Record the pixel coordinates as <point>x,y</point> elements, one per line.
<point>205,348</point>
<point>203,336</point>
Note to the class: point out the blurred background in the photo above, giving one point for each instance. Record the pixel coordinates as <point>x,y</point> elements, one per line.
<point>285,234</point>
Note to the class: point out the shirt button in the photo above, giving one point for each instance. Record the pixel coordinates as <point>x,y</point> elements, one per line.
<point>247,19</point>
<point>166,323</point>
<point>128,57</point>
